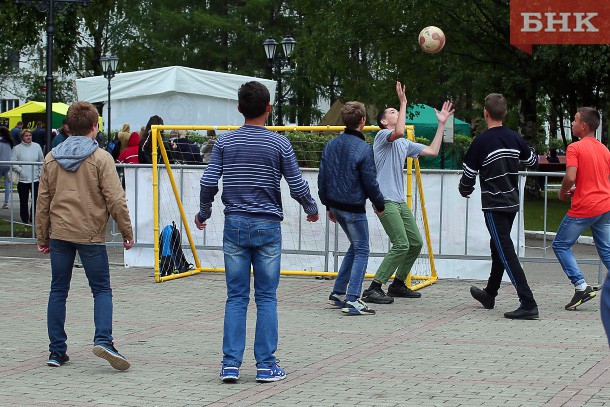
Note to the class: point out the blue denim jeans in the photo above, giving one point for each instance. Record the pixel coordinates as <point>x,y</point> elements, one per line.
<point>6,173</point>
<point>353,266</point>
<point>257,244</point>
<point>568,233</point>
<point>95,263</point>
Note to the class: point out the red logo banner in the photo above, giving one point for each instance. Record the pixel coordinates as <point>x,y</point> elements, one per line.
<point>558,22</point>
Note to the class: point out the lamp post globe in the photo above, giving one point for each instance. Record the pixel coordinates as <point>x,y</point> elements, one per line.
<point>109,67</point>
<point>276,63</point>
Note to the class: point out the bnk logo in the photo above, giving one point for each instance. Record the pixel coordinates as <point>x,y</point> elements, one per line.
<point>563,22</point>
<point>558,22</point>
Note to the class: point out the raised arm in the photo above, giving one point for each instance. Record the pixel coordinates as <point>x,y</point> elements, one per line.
<point>399,130</point>
<point>442,116</point>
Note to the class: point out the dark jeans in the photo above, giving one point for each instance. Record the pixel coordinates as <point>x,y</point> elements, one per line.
<point>95,263</point>
<point>504,257</point>
<point>24,189</point>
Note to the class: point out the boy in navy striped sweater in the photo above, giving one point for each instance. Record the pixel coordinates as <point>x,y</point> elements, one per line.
<point>252,161</point>
<point>495,155</point>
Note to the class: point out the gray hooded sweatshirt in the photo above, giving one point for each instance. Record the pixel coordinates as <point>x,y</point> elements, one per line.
<point>71,153</point>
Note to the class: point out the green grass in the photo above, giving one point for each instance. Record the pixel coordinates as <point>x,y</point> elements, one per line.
<point>534,213</point>
<point>19,229</point>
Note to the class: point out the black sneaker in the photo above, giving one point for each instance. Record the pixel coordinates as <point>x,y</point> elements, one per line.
<point>57,359</point>
<point>402,291</point>
<point>580,297</point>
<point>376,296</point>
<point>522,313</point>
<point>486,300</point>
<point>113,356</point>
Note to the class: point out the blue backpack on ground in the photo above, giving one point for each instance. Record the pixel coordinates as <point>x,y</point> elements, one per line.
<point>171,256</point>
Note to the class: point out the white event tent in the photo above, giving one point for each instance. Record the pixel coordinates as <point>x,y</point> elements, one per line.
<point>178,94</point>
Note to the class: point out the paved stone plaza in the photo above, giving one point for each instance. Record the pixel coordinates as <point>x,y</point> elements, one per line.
<point>441,350</point>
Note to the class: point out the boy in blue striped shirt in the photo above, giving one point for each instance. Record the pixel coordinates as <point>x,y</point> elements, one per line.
<point>252,161</point>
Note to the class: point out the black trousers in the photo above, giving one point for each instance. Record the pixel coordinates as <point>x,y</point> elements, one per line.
<point>24,190</point>
<point>504,257</point>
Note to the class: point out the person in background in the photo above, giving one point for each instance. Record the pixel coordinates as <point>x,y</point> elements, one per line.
<point>63,134</point>
<point>29,175</point>
<point>39,135</point>
<point>124,136</point>
<point>185,152</point>
<point>6,147</point>
<point>130,154</point>
<point>587,182</point>
<point>145,151</point>
<point>79,190</point>
<point>16,133</point>
<point>552,156</point>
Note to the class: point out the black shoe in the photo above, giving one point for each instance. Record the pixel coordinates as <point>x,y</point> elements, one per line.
<point>522,313</point>
<point>376,296</point>
<point>402,291</point>
<point>109,352</point>
<point>57,359</point>
<point>486,300</point>
<point>580,297</point>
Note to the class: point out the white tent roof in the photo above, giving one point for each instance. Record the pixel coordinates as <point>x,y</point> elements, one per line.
<point>163,80</point>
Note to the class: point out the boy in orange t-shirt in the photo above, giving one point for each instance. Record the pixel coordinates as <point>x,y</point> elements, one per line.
<point>587,181</point>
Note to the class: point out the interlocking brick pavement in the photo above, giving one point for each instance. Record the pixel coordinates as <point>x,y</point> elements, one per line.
<point>441,350</point>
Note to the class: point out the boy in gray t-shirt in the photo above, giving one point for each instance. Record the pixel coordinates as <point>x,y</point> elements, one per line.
<point>391,150</point>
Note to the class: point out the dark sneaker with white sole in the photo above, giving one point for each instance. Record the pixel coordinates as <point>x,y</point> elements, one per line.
<point>57,359</point>
<point>580,297</point>
<point>357,307</point>
<point>113,357</point>
<point>376,296</point>
<point>402,291</point>
<point>336,300</point>
<point>486,300</point>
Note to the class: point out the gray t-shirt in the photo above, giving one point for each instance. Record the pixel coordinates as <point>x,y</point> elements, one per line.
<point>390,161</point>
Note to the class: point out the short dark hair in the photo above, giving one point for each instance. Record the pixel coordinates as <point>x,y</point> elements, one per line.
<point>81,117</point>
<point>496,106</point>
<point>253,99</point>
<point>589,116</point>
<point>380,117</point>
<point>352,113</point>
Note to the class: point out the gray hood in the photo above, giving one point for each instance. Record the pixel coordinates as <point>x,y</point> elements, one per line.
<point>71,153</point>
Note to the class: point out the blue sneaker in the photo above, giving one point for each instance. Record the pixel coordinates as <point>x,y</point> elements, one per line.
<point>57,359</point>
<point>113,357</point>
<point>266,374</point>
<point>336,300</point>
<point>229,374</point>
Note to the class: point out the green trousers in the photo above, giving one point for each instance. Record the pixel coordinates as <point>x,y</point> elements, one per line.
<point>399,224</point>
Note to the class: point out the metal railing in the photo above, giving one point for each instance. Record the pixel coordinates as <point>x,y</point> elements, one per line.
<point>330,251</point>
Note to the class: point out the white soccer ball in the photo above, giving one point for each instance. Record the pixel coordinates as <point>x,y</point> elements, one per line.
<point>431,39</point>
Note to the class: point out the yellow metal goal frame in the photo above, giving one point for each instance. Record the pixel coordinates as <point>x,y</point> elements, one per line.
<point>157,144</point>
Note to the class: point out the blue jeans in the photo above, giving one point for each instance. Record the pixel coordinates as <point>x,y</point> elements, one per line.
<point>256,243</point>
<point>353,266</point>
<point>568,233</point>
<point>95,263</point>
<point>6,173</point>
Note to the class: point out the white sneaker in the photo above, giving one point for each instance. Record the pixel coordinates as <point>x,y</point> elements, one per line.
<point>357,307</point>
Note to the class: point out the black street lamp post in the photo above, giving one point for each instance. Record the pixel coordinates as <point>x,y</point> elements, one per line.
<point>51,6</point>
<point>279,62</point>
<point>109,65</point>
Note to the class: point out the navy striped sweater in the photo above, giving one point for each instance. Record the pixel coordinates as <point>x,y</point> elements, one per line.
<point>252,161</point>
<point>495,155</point>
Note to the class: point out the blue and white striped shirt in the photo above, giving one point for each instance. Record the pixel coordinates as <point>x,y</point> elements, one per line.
<point>251,161</point>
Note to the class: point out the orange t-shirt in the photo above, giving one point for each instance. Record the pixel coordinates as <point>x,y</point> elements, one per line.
<point>592,195</point>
